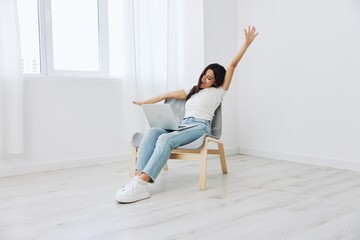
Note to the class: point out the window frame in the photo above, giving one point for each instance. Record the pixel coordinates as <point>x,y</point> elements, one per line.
<point>46,44</point>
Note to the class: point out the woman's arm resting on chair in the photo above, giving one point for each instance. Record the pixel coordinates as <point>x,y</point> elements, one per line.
<point>250,35</point>
<point>179,94</point>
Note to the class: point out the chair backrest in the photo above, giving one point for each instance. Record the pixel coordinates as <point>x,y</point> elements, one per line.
<point>178,107</point>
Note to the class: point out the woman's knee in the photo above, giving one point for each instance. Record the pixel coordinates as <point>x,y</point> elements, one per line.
<point>166,139</point>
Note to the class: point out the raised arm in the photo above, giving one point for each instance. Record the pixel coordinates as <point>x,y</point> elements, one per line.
<point>179,94</point>
<point>250,35</point>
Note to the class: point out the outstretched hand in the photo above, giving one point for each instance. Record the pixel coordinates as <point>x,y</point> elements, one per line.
<point>250,34</point>
<point>138,102</point>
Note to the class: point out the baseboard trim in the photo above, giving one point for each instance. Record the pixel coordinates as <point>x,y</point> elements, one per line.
<point>61,165</point>
<point>231,151</point>
<point>74,163</point>
<point>325,162</point>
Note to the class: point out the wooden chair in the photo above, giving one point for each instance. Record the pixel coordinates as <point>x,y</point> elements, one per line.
<point>196,150</point>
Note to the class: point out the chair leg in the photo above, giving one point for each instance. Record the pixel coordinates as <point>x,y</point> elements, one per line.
<point>166,167</point>
<point>222,158</point>
<point>203,162</point>
<point>134,151</point>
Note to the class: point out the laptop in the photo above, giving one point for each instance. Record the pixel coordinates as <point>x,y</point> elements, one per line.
<point>161,115</point>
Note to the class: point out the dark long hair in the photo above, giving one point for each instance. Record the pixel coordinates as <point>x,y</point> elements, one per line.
<point>219,74</point>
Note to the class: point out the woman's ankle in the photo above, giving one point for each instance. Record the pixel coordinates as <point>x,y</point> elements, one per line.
<point>145,177</point>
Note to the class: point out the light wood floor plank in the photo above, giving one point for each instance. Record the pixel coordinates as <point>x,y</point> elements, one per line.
<point>259,199</point>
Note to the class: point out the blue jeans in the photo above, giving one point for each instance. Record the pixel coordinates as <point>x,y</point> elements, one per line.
<point>157,144</point>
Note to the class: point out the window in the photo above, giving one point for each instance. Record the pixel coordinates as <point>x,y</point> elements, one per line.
<point>71,37</point>
<point>75,35</point>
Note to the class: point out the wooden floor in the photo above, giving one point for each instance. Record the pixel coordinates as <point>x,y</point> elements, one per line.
<point>259,199</point>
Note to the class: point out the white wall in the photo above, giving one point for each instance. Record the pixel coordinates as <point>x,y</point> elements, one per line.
<point>190,41</point>
<point>221,45</point>
<point>299,96</point>
<point>71,122</point>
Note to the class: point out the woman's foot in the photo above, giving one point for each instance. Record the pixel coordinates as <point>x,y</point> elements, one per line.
<point>136,190</point>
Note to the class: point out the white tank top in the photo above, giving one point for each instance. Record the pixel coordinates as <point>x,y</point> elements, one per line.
<point>204,103</point>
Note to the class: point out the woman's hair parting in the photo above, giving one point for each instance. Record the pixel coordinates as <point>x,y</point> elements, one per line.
<point>219,74</point>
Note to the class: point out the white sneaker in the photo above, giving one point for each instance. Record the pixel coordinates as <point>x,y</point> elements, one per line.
<point>134,191</point>
<point>123,188</point>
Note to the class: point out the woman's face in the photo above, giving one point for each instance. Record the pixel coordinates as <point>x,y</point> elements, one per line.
<point>208,79</point>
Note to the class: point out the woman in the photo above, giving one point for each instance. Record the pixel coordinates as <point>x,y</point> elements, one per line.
<point>201,103</point>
